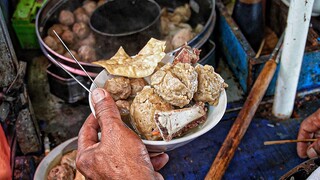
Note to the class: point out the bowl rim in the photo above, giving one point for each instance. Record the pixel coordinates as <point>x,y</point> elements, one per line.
<point>207,126</point>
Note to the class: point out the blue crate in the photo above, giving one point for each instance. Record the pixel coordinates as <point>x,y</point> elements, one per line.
<point>241,57</point>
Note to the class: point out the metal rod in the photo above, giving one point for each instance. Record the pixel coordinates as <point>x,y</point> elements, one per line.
<point>59,64</point>
<point>74,58</point>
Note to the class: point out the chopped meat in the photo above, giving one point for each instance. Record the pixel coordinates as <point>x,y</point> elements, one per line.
<point>137,85</point>
<point>61,172</point>
<point>176,122</point>
<point>187,55</point>
<point>176,84</point>
<point>142,111</point>
<point>210,85</point>
<point>118,87</point>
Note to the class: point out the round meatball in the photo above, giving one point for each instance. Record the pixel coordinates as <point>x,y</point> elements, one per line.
<point>81,30</point>
<point>81,15</point>
<point>90,40</point>
<point>74,53</point>
<point>70,159</point>
<point>51,42</point>
<point>182,36</point>
<point>59,28</point>
<point>66,17</point>
<point>68,37</point>
<point>61,50</point>
<point>61,172</point>
<point>176,84</point>
<point>87,53</point>
<point>118,87</point>
<point>89,6</point>
<point>137,85</point>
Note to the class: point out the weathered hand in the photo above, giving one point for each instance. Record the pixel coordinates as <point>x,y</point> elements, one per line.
<point>309,128</point>
<point>120,153</point>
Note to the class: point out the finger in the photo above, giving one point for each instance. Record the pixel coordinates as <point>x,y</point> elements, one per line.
<point>317,134</point>
<point>151,155</point>
<point>314,149</point>
<point>307,129</point>
<point>105,107</point>
<point>158,176</point>
<point>159,161</point>
<point>88,134</point>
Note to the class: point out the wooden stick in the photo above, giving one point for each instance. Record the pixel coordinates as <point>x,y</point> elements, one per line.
<point>244,118</point>
<point>288,141</point>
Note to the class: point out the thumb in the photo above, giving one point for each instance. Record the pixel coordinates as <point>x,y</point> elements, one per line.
<point>105,108</point>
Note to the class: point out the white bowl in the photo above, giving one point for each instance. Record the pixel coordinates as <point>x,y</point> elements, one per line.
<point>215,113</point>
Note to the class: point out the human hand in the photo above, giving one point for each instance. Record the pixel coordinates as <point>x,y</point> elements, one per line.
<point>120,154</point>
<point>309,128</point>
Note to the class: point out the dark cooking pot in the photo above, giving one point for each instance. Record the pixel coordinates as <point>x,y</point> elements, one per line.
<point>129,24</point>
<point>203,11</point>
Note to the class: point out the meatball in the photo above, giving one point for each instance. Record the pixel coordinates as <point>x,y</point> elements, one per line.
<point>100,2</point>
<point>176,84</point>
<point>61,50</point>
<point>142,112</point>
<point>61,172</point>
<point>51,42</point>
<point>182,36</point>
<point>89,6</point>
<point>124,107</point>
<point>81,30</point>
<point>90,40</point>
<point>210,85</point>
<point>68,37</point>
<point>74,53</point>
<point>59,28</point>
<point>137,85</point>
<point>81,15</point>
<point>69,159</point>
<point>66,17</point>
<point>87,53</point>
<point>184,12</point>
<point>118,87</point>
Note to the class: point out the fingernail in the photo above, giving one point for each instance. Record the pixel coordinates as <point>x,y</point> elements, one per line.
<point>98,95</point>
<point>311,153</point>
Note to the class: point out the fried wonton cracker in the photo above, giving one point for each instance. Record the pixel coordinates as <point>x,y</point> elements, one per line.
<point>141,65</point>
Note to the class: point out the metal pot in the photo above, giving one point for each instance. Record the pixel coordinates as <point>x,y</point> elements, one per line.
<point>203,11</point>
<point>129,24</point>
